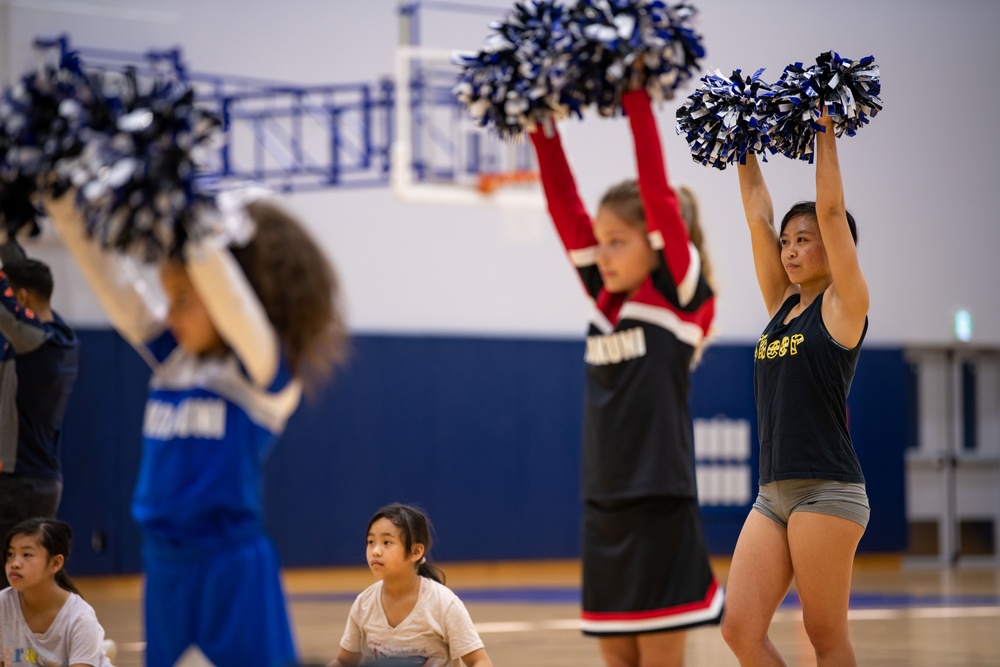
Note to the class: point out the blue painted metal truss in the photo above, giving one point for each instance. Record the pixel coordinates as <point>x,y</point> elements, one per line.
<point>309,137</point>
<point>286,136</point>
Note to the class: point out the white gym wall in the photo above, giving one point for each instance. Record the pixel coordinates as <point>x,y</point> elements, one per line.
<point>920,179</point>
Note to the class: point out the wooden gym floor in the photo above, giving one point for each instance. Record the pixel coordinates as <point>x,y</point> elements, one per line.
<point>526,614</point>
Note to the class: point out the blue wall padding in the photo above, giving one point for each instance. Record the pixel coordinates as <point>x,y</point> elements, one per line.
<point>879,410</point>
<point>482,432</point>
<point>100,454</point>
<point>722,386</point>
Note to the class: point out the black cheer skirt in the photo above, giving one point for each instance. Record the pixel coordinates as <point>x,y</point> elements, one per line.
<point>646,567</point>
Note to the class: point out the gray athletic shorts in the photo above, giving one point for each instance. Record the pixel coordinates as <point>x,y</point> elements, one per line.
<point>777,500</point>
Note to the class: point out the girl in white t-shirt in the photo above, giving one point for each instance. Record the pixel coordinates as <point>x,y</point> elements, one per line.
<point>43,619</point>
<point>408,617</point>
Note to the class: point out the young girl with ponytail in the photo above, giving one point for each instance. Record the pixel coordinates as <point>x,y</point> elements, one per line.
<point>43,619</point>
<point>647,578</point>
<point>409,614</point>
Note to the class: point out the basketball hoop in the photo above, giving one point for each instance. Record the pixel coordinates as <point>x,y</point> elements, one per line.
<point>440,153</point>
<point>490,182</point>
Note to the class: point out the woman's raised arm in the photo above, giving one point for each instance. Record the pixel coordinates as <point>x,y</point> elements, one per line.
<point>846,306</point>
<point>759,211</point>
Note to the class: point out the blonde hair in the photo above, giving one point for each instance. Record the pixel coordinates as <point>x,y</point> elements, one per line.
<point>691,212</point>
<point>624,200</point>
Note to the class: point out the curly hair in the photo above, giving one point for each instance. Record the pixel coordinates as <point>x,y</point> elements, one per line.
<point>299,290</point>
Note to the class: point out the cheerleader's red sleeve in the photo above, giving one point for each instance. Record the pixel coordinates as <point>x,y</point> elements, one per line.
<point>667,229</point>
<point>566,208</point>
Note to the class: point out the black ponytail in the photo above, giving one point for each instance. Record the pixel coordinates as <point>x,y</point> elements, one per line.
<point>415,528</point>
<point>427,569</point>
<point>55,536</point>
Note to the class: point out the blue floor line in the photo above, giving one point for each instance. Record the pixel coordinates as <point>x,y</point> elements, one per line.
<point>903,601</point>
<point>572,596</point>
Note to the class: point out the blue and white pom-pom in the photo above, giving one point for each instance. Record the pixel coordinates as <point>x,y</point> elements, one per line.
<point>725,118</point>
<point>549,60</point>
<point>137,184</point>
<point>513,82</point>
<point>612,38</point>
<point>40,121</point>
<point>130,147</point>
<point>846,90</point>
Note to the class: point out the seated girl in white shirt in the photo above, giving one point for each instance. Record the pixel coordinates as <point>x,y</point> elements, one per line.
<point>43,619</point>
<point>409,615</point>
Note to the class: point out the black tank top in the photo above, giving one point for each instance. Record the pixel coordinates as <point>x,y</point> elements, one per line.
<point>801,381</point>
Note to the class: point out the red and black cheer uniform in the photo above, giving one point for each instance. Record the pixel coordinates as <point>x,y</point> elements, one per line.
<point>645,564</point>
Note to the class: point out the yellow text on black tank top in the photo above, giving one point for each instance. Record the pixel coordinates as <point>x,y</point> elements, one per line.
<point>778,347</point>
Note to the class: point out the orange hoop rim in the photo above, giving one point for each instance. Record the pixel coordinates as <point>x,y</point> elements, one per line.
<point>490,182</point>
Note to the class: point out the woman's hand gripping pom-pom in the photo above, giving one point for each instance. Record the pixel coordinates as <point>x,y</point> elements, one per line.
<point>847,90</point>
<point>512,83</point>
<point>42,118</point>
<point>725,118</point>
<point>137,185</point>
<point>612,39</point>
